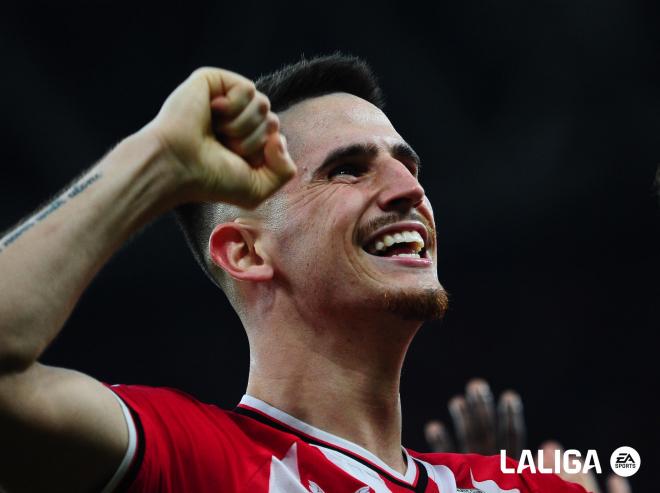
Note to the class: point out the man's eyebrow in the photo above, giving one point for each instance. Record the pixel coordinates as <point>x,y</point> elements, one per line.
<point>346,152</point>
<point>400,151</point>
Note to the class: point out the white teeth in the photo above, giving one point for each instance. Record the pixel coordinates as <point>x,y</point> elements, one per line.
<point>409,255</point>
<point>415,236</point>
<point>387,241</point>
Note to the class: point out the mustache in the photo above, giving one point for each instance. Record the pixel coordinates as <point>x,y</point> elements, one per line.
<point>376,223</point>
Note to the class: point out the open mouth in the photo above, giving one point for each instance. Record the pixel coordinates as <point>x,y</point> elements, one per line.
<point>407,241</point>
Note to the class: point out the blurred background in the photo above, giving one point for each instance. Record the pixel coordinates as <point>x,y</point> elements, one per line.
<point>538,124</point>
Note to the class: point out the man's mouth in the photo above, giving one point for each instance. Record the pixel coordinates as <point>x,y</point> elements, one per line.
<point>406,240</point>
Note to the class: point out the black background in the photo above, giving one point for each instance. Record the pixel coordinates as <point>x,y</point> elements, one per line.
<point>538,124</point>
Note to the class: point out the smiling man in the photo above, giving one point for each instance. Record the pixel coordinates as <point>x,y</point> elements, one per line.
<point>332,270</point>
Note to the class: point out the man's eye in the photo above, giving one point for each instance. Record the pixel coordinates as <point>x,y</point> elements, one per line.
<point>347,169</point>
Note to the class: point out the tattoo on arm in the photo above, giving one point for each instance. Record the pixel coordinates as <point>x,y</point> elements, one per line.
<point>78,187</point>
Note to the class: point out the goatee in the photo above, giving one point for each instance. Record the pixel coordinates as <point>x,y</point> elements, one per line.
<point>422,305</point>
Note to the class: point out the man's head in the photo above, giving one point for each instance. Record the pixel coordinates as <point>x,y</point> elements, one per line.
<point>352,234</point>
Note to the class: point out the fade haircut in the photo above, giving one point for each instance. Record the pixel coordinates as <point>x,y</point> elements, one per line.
<point>308,78</point>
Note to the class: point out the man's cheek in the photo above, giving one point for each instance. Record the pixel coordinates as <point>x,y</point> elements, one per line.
<point>311,202</point>
<point>427,204</point>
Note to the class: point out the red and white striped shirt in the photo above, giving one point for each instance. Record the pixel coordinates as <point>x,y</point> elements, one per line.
<point>180,445</point>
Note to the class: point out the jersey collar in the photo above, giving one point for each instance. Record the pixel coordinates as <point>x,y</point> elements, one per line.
<point>323,438</point>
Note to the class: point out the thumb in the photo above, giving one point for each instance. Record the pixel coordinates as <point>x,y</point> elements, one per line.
<point>264,180</point>
<point>277,160</point>
<point>231,179</point>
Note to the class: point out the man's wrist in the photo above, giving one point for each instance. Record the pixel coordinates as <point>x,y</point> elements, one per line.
<point>144,164</point>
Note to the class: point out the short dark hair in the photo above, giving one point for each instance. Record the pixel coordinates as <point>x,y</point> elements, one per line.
<point>291,84</point>
<point>319,76</point>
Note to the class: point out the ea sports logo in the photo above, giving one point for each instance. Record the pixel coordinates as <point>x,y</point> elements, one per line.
<point>625,461</point>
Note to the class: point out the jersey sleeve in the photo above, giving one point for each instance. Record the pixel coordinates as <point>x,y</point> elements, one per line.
<point>179,442</point>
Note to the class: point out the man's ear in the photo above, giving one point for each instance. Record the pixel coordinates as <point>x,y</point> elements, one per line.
<point>233,247</point>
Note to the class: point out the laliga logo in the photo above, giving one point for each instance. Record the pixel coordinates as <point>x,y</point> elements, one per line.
<point>568,461</point>
<point>625,461</point>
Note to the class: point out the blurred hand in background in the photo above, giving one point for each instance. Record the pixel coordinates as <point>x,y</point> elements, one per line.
<point>482,427</point>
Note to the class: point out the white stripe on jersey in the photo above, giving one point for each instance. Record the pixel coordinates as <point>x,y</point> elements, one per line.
<point>490,486</point>
<point>285,475</point>
<point>131,448</point>
<point>441,476</point>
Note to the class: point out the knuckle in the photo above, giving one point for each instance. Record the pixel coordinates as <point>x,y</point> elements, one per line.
<point>273,123</point>
<point>249,88</point>
<point>264,104</point>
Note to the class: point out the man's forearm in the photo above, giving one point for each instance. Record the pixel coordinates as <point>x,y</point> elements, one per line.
<point>48,260</point>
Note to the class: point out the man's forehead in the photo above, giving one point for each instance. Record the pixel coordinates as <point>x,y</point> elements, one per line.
<point>332,109</point>
<point>314,127</point>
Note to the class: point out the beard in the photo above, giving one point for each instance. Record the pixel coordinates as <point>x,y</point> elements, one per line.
<point>421,304</point>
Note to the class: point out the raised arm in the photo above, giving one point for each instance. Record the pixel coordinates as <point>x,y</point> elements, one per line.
<point>61,430</point>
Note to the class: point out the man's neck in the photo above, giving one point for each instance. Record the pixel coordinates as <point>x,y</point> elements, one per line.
<point>343,382</point>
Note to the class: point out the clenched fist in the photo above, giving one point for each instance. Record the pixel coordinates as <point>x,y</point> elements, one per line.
<point>221,140</point>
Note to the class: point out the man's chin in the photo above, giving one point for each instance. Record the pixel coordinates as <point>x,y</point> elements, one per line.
<point>416,304</point>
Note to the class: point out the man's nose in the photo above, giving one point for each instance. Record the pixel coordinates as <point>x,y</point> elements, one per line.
<point>401,191</point>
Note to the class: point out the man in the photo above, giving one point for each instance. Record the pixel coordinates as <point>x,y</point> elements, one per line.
<point>332,270</point>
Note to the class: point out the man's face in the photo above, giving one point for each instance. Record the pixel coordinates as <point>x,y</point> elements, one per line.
<point>356,234</point>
